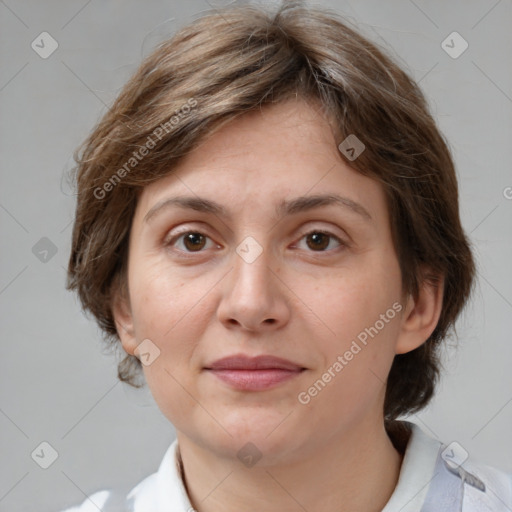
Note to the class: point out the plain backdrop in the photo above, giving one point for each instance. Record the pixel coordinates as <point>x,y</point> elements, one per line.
<point>58,384</point>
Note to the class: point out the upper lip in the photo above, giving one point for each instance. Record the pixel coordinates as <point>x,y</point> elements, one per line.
<point>263,362</point>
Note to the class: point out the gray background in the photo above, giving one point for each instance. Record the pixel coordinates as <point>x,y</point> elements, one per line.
<point>59,385</point>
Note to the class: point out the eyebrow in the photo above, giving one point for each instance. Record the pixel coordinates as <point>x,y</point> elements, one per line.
<point>286,207</point>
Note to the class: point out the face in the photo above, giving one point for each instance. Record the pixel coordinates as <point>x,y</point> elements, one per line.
<point>263,273</point>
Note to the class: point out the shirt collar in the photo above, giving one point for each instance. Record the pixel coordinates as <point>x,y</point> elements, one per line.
<point>164,488</point>
<point>416,472</point>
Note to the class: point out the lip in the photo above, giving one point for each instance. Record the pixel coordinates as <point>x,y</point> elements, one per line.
<point>263,362</point>
<point>254,373</point>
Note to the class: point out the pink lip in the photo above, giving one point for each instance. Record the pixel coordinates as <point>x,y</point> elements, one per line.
<point>254,373</point>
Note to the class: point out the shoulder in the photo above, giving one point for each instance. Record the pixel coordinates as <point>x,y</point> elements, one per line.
<point>436,476</point>
<point>115,500</point>
<point>154,493</point>
<point>496,493</point>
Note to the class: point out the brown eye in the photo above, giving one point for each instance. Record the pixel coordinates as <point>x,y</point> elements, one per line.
<point>194,241</point>
<point>319,241</point>
<point>189,242</point>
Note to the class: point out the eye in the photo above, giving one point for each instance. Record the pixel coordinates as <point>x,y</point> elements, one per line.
<point>319,240</point>
<point>193,241</point>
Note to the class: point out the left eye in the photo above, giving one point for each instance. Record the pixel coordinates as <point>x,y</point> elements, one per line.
<point>195,241</point>
<point>320,240</point>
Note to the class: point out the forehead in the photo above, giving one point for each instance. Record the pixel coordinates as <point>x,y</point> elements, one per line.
<point>265,157</point>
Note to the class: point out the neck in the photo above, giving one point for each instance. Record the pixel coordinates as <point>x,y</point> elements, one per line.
<point>356,472</point>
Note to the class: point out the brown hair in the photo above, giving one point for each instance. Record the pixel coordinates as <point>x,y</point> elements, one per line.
<point>233,61</point>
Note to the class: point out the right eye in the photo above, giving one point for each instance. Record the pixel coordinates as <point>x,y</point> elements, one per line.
<point>190,241</point>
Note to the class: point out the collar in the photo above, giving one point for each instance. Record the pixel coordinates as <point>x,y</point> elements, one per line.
<point>415,473</point>
<point>163,488</point>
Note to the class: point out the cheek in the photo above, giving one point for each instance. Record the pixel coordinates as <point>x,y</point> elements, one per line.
<point>158,296</point>
<point>167,312</point>
<point>355,300</point>
<point>172,393</point>
<point>353,378</point>
<point>360,309</point>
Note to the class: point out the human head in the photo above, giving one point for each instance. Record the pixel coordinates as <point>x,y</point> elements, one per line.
<point>237,61</point>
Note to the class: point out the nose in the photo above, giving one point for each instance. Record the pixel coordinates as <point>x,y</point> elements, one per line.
<point>254,297</point>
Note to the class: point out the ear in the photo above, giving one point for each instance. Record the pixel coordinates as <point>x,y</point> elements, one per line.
<point>123,318</point>
<point>420,316</point>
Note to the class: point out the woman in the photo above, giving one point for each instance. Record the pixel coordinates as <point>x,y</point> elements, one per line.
<point>267,222</point>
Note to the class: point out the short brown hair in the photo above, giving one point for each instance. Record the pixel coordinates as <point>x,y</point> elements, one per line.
<point>239,59</point>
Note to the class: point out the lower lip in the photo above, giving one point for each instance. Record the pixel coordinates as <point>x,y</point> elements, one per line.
<point>255,380</point>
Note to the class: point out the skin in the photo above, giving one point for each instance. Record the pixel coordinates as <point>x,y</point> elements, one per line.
<point>198,303</point>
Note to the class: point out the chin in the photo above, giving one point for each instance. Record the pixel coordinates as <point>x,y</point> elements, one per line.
<point>268,433</point>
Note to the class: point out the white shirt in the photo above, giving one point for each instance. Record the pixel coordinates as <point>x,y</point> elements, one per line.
<point>425,484</point>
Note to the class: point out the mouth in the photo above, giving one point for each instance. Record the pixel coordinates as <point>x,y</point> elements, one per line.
<point>254,373</point>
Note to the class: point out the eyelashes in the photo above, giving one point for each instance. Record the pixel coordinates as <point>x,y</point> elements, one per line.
<point>196,242</point>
